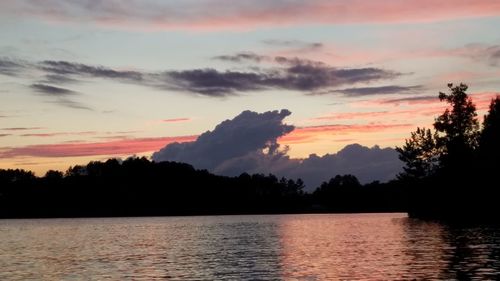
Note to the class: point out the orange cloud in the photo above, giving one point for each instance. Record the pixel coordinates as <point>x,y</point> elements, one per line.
<point>310,133</point>
<point>378,116</point>
<point>114,147</point>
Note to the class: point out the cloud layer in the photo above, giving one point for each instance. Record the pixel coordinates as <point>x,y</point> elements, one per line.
<point>217,14</point>
<point>249,143</point>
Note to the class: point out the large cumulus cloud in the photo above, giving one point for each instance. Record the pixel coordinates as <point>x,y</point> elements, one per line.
<point>247,133</point>
<point>248,143</point>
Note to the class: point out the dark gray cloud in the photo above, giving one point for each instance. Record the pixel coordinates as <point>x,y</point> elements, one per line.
<point>296,77</point>
<point>295,74</point>
<point>61,96</point>
<point>71,68</point>
<point>5,135</point>
<point>211,82</point>
<point>52,90</point>
<point>242,57</point>
<point>382,90</point>
<point>248,143</point>
<point>10,67</point>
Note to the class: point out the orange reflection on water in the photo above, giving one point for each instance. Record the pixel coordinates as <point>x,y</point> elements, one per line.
<point>368,246</point>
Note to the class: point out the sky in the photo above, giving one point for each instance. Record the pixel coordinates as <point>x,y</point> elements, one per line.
<point>92,80</point>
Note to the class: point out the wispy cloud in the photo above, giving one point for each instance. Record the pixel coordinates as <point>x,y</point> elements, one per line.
<point>298,44</point>
<point>10,67</point>
<point>382,90</point>
<point>242,57</point>
<point>70,104</point>
<point>295,47</point>
<point>20,128</point>
<point>412,100</point>
<point>71,68</point>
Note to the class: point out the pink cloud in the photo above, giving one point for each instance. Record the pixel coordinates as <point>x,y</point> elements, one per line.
<point>114,147</point>
<point>217,14</point>
<point>385,116</point>
<point>176,120</point>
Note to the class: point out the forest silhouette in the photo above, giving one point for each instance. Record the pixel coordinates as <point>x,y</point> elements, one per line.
<point>450,174</point>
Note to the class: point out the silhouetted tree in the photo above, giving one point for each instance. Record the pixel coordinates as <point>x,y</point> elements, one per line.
<point>490,137</point>
<point>458,127</point>
<point>420,154</point>
<point>53,175</point>
<point>453,144</point>
<point>457,186</point>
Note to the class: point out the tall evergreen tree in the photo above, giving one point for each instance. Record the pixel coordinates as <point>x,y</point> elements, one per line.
<point>490,137</point>
<point>458,127</point>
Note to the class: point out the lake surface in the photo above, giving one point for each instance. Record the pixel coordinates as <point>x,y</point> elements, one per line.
<point>270,247</point>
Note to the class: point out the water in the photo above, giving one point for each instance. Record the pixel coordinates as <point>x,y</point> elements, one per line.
<point>274,247</point>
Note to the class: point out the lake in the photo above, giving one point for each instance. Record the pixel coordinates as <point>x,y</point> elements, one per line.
<point>260,247</point>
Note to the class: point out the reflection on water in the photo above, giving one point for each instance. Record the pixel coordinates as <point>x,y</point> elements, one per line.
<point>281,247</point>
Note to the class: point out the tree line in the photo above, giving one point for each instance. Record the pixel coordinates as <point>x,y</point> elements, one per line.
<point>140,187</point>
<point>450,172</point>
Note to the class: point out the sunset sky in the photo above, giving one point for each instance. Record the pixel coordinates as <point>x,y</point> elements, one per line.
<point>90,80</point>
